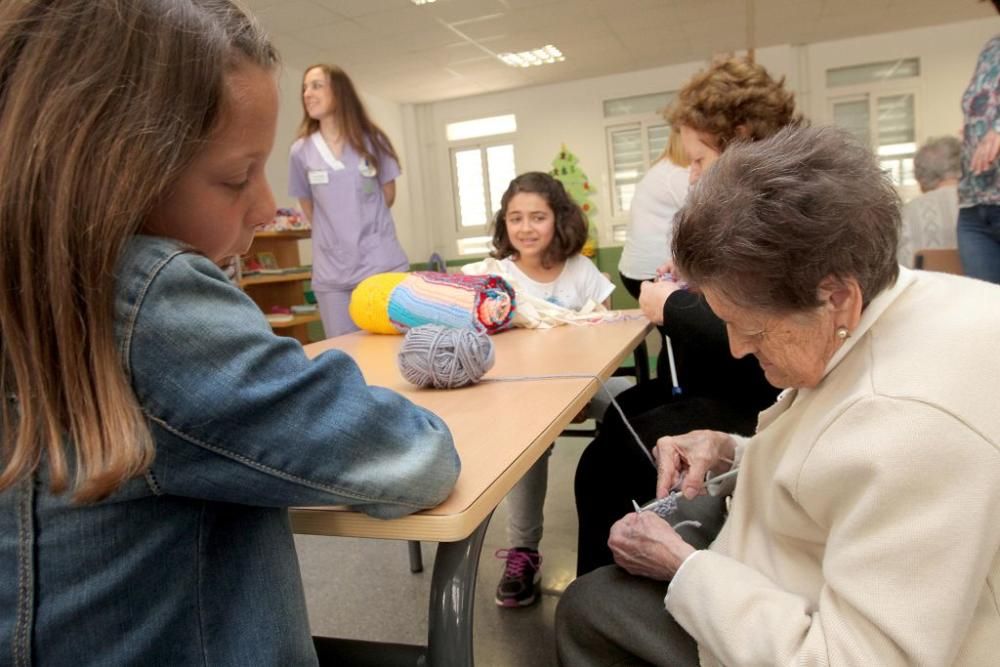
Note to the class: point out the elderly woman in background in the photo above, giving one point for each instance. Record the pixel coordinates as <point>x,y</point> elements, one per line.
<point>863,528</point>
<point>929,220</point>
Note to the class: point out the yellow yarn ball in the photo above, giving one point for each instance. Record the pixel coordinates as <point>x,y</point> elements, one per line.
<point>369,306</point>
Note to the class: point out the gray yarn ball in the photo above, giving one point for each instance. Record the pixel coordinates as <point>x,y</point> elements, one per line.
<point>443,357</point>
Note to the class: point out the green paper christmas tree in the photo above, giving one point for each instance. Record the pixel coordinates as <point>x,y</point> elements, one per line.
<point>578,186</point>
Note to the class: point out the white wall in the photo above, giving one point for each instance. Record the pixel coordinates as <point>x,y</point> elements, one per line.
<point>947,57</point>
<point>571,113</point>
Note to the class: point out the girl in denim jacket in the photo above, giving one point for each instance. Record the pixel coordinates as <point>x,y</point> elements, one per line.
<point>154,430</point>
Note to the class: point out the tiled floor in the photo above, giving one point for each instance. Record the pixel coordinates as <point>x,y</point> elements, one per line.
<point>363,589</point>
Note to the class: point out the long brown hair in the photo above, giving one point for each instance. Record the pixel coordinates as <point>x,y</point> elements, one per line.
<point>350,116</point>
<point>103,103</point>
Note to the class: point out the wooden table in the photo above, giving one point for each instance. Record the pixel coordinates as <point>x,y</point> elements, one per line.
<point>500,430</point>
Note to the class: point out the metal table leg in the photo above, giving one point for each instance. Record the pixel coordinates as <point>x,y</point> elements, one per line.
<point>453,594</point>
<point>416,557</point>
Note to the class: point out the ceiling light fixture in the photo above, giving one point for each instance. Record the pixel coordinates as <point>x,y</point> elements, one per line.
<point>546,55</point>
<point>421,2</point>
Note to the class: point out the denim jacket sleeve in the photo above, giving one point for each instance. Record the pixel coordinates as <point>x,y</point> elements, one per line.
<point>241,415</point>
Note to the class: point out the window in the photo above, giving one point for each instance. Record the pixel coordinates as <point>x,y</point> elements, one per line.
<point>632,149</point>
<point>481,127</point>
<point>905,68</point>
<point>646,105</point>
<point>877,103</point>
<point>481,172</point>
<point>637,135</point>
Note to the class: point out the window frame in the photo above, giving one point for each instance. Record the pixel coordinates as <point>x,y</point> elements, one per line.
<point>872,91</point>
<point>644,123</point>
<point>482,144</point>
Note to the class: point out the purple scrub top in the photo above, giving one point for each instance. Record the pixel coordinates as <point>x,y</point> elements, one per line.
<point>352,228</point>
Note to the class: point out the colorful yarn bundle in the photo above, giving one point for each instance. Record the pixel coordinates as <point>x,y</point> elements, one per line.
<point>396,302</point>
<point>441,357</point>
<point>369,307</point>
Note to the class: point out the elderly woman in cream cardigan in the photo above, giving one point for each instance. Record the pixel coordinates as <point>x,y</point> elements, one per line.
<point>862,529</point>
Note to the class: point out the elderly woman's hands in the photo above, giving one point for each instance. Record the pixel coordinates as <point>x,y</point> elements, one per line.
<point>645,545</point>
<point>685,459</point>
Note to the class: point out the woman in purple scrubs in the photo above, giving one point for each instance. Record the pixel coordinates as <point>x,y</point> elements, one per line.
<point>343,171</point>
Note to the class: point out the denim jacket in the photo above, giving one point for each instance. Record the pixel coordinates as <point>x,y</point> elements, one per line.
<point>194,563</point>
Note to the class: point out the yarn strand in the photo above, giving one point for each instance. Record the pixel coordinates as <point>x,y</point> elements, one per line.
<point>583,376</point>
<point>445,358</point>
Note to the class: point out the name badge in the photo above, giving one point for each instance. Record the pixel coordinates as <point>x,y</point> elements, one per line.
<point>318,177</point>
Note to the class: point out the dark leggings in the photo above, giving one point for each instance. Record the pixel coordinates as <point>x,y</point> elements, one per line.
<point>632,286</point>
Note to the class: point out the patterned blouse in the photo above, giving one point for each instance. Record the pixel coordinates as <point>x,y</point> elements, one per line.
<point>980,104</point>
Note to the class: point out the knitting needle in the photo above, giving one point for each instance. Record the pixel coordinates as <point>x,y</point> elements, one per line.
<point>716,478</point>
<point>676,391</point>
<point>725,475</point>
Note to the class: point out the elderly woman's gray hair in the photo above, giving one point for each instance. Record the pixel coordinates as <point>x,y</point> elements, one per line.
<point>772,218</point>
<point>939,159</point>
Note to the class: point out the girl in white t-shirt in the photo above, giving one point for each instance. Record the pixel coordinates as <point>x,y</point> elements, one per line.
<point>538,235</point>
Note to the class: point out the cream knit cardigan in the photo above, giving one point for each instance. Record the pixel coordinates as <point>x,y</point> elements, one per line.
<point>865,525</point>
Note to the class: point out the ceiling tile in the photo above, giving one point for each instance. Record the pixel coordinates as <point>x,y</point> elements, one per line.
<point>410,54</point>
<point>295,16</point>
<point>334,35</point>
<point>461,11</point>
<point>623,23</point>
<point>354,8</point>
<point>405,18</point>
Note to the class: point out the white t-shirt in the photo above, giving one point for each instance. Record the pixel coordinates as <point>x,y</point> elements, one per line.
<point>929,221</point>
<point>579,282</point>
<point>658,196</point>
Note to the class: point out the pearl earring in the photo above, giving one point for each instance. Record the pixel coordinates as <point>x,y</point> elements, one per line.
<point>842,333</point>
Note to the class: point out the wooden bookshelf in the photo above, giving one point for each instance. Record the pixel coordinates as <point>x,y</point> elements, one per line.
<point>266,278</point>
<point>282,289</point>
<point>297,320</point>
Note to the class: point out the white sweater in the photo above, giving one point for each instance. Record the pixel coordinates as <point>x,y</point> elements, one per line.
<point>658,196</point>
<point>865,525</point>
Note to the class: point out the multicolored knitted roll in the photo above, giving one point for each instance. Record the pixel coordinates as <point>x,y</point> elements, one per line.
<point>369,307</point>
<point>486,302</point>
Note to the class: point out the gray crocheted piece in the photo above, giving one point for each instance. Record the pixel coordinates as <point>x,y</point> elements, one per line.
<point>664,507</point>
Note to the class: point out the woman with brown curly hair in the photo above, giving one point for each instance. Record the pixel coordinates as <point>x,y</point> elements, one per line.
<point>733,101</point>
